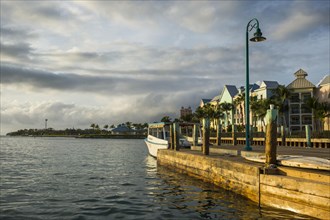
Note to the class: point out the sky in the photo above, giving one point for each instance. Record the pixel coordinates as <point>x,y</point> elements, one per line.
<point>106,62</point>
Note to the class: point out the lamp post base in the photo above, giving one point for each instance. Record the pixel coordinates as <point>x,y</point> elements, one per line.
<point>247,148</point>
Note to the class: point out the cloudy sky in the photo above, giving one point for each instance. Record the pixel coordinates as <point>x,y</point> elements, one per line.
<point>106,62</point>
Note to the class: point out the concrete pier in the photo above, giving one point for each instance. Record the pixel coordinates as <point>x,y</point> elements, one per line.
<point>303,191</point>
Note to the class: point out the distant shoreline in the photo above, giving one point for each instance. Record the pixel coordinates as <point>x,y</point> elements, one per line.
<point>90,136</point>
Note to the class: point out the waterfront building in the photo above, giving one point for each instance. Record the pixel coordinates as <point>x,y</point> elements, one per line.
<point>323,95</point>
<point>184,112</point>
<point>298,114</point>
<point>301,90</point>
<point>264,91</point>
<point>204,102</point>
<point>227,96</point>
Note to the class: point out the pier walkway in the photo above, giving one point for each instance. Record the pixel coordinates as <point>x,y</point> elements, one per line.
<point>283,150</point>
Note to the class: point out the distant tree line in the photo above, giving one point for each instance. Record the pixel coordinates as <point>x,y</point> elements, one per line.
<point>94,129</point>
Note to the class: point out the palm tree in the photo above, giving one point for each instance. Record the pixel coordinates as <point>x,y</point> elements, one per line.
<point>259,110</point>
<point>226,107</point>
<point>207,111</point>
<point>166,119</point>
<point>280,99</point>
<point>92,126</point>
<point>319,111</point>
<point>240,102</point>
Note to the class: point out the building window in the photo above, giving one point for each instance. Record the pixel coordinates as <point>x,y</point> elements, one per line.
<point>305,109</point>
<point>306,120</point>
<point>305,96</point>
<point>295,109</point>
<point>294,120</point>
<point>295,128</point>
<point>294,97</point>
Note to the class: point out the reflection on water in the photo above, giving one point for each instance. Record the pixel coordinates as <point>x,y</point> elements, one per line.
<point>205,201</point>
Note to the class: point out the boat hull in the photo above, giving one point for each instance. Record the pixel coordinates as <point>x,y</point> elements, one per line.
<point>154,144</point>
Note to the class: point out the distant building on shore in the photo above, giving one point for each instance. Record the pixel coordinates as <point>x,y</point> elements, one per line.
<point>184,112</point>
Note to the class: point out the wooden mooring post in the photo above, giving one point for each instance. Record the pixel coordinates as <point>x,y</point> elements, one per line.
<point>233,134</point>
<point>206,136</point>
<point>171,137</point>
<point>195,134</point>
<point>283,135</point>
<point>218,138</point>
<point>176,136</point>
<point>308,135</point>
<point>271,136</point>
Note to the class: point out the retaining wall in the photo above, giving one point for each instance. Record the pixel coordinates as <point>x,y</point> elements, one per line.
<point>295,190</point>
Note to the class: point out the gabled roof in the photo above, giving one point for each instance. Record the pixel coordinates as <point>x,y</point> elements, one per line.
<point>269,84</point>
<point>324,81</point>
<point>205,101</point>
<point>232,90</point>
<point>216,98</point>
<point>254,87</point>
<point>300,82</point>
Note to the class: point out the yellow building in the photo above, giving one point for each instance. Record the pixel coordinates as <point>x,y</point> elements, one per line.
<point>323,95</point>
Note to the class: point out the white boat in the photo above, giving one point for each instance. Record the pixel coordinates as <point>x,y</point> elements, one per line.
<point>158,138</point>
<point>296,161</point>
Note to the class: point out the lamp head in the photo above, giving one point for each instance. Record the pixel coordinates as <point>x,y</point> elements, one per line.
<point>257,36</point>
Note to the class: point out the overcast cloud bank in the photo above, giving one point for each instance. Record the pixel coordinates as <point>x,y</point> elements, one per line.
<point>106,62</point>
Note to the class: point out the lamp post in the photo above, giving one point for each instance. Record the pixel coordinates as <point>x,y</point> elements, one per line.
<point>253,24</point>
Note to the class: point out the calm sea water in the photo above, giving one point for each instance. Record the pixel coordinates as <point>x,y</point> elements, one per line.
<point>66,178</point>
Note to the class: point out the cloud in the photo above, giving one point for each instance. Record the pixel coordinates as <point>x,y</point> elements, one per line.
<point>96,61</point>
<point>302,19</point>
<point>21,51</point>
<point>296,24</point>
<point>43,80</point>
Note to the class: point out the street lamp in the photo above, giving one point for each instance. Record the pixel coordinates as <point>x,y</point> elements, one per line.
<point>253,24</point>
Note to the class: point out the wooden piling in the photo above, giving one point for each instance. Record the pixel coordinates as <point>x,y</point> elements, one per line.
<point>233,133</point>
<point>176,136</point>
<point>271,136</point>
<point>206,136</point>
<point>308,136</point>
<point>283,136</point>
<point>195,134</point>
<point>171,137</point>
<point>218,138</point>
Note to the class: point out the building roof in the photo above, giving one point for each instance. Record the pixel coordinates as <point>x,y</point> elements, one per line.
<point>216,98</point>
<point>300,81</point>
<point>232,90</point>
<point>269,84</point>
<point>324,81</point>
<point>253,87</point>
<point>205,101</point>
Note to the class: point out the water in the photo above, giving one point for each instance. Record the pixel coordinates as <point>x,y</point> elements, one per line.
<point>66,178</point>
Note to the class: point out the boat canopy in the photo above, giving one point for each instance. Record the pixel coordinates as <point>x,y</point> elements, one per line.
<point>158,124</point>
